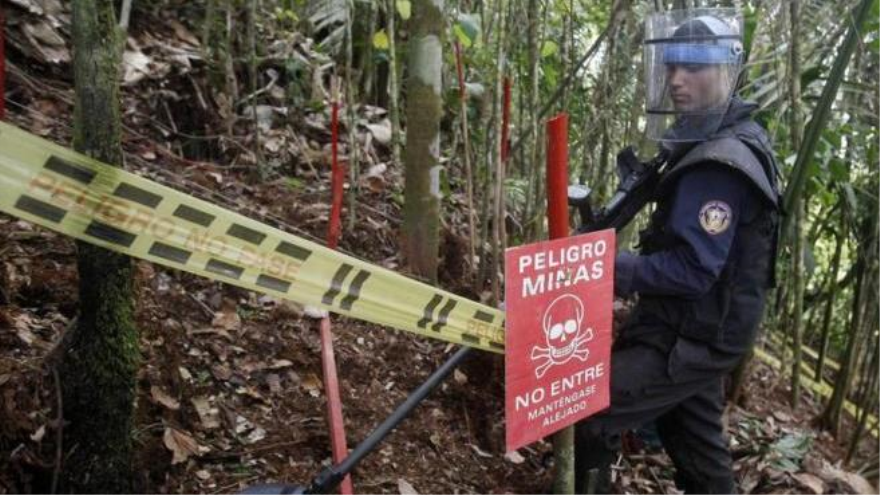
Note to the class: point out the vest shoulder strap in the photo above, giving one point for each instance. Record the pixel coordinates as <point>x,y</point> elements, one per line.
<point>728,151</point>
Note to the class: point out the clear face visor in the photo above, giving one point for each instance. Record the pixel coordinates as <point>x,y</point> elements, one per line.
<point>692,63</point>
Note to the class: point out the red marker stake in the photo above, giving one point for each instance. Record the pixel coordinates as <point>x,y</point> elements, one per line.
<point>557,217</point>
<point>328,359</point>
<point>557,175</point>
<point>336,180</point>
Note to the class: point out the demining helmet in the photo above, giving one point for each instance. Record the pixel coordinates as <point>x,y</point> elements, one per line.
<point>692,62</point>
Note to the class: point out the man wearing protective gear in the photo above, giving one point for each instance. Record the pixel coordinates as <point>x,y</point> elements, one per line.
<point>706,257</point>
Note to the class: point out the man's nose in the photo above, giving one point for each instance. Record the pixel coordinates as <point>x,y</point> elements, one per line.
<point>676,76</point>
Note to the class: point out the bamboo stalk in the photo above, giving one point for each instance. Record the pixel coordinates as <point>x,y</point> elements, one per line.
<point>465,136</point>
<point>394,107</point>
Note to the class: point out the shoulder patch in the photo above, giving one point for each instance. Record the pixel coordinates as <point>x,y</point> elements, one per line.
<point>715,216</point>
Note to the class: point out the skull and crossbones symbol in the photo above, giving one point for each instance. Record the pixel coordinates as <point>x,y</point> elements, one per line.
<point>563,334</point>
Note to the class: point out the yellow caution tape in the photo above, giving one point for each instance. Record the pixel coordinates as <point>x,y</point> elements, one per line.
<point>77,196</point>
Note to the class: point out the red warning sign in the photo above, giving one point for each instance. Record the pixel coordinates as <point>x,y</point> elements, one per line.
<point>558,298</point>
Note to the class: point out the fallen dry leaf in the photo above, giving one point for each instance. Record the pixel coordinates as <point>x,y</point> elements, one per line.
<point>273,145</point>
<point>32,6</point>
<point>514,457</point>
<point>184,373</point>
<point>460,378</point>
<point>183,33</point>
<point>208,416</point>
<point>161,397</point>
<point>312,384</point>
<point>381,132</point>
<point>274,382</point>
<point>255,435</point>
<point>227,319</point>
<point>480,452</point>
<point>849,482</point>
<point>813,483</point>
<point>405,488</point>
<point>181,444</point>
<point>39,434</point>
<point>221,372</point>
<point>280,363</point>
<point>781,416</point>
<point>23,322</point>
<point>46,40</point>
<point>136,65</point>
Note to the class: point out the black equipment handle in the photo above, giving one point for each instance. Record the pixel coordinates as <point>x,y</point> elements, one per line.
<point>330,477</point>
<point>637,183</point>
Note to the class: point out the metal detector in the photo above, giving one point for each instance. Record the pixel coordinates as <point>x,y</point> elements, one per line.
<point>330,477</point>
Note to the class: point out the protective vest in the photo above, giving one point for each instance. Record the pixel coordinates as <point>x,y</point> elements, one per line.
<point>723,323</point>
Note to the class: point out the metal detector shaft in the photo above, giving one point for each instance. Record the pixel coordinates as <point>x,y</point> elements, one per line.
<point>332,476</point>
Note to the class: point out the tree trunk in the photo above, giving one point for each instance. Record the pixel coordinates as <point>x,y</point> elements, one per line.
<point>830,417</point>
<point>421,210</point>
<point>468,169</point>
<point>351,107</point>
<point>794,72</point>
<point>797,315</point>
<point>532,105</point>
<point>829,307</point>
<point>393,91</point>
<point>868,393</point>
<point>534,216</point>
<point>565,54</point>
<point>797,251</point>
<point>738,379</point>
<point>231,91</point>
<point>261,170</point>
<point>862,298</point>
<point>101,357</point>
<point>365,63</point>
<point>498,157</point>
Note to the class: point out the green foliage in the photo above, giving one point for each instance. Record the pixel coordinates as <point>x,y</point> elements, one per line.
<point>467,30</point>
<point>404,9</point>
<point>838,170</point>
<point>750,20</point>
<point>294,183</point>
<point>549,48</point>
<point>812,74</point>
<point>787,453</point>
<point>286,16</point>
<point>872,26</point>
<point>380,40</point>
<point>327,19</point>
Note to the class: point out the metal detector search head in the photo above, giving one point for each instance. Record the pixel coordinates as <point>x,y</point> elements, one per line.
<point>273,489</point>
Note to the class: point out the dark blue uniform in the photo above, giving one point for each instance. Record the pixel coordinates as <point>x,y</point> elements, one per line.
<point>690,269</point>
<point>704,265</point>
